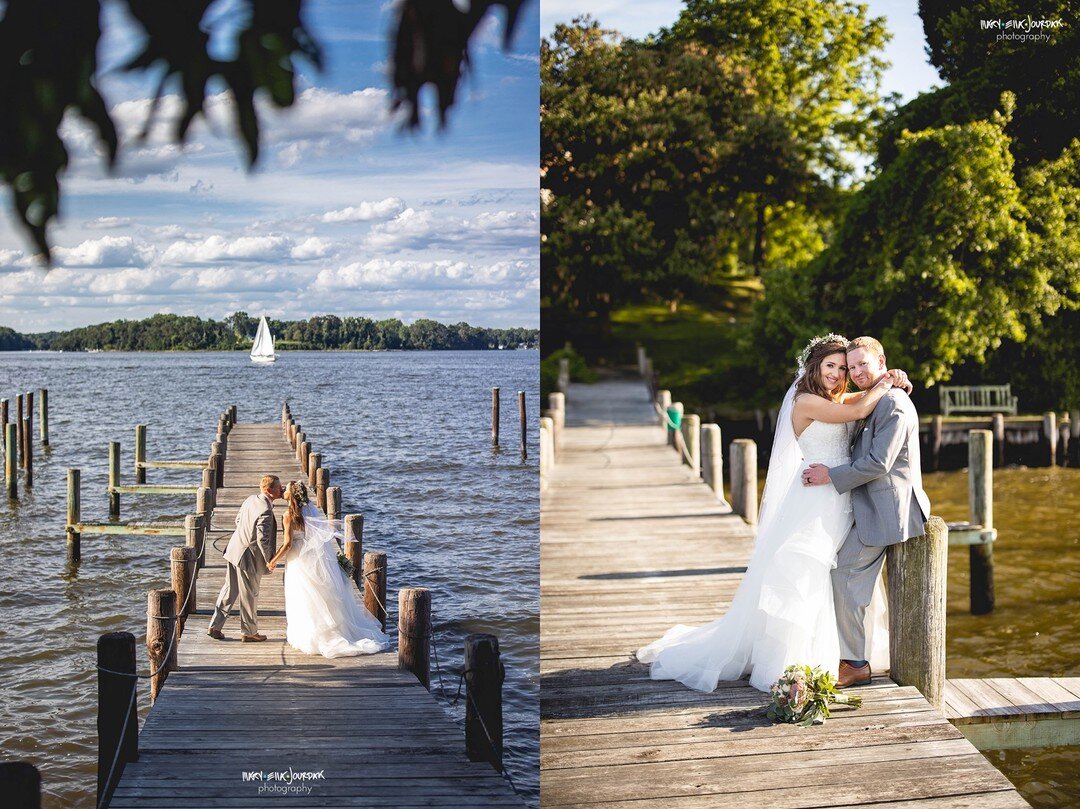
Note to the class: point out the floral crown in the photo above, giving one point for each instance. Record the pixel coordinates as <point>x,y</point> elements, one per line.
<point>804,357</point>
<point>299,492</point>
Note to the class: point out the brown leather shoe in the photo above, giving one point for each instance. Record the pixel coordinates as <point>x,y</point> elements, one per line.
<point>216,634</point>
<point>257,637</point>
<point>849,675</point>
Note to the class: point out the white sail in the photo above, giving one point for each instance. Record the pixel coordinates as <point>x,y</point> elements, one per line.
<point>263,349</point>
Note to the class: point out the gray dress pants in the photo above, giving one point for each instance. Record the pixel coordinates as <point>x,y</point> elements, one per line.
<point>241,582</point>
<point>857,569</point>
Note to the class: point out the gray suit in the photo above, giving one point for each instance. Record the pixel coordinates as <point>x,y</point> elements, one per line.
<point>251,547</point>
<point>885,481</point>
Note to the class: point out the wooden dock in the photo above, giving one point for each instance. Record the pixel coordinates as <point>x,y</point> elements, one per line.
<point>235,713</point>
<point>630,545</point>
<point>1011,712</point>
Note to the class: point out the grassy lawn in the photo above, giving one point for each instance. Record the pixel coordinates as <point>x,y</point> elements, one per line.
<point>695,350</point>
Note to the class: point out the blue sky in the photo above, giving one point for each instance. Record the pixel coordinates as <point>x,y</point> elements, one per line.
<point>909,75</point>
<point>345,214</point>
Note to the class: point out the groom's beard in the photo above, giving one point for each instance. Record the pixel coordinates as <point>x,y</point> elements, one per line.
<point>873,381</point>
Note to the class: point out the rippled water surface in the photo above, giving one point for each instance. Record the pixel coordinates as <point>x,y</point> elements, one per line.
<point>405,435</point>
<point>1034,630</point>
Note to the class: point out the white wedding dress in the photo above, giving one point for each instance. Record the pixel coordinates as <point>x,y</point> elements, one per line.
<point>321,613</point>
<point>782,612</point>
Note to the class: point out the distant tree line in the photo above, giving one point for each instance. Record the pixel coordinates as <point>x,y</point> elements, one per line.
<point>236,332</point>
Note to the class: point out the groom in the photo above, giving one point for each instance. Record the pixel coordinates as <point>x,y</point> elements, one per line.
<point>251,546</point>
<point>885,481</point>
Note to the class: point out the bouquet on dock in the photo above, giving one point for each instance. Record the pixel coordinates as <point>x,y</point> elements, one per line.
<point>802,696</point>
<point>345,563</point>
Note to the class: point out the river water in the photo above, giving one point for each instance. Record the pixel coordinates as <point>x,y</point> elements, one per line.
<point>406,435</point>
<point>1034,630</point>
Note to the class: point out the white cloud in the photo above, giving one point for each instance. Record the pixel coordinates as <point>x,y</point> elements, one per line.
<point>219,248</point>
<point>311,248</point>
<point>366,211</point>
<point>109,222</point>
<point>390,274</point>
<point>108,251</point>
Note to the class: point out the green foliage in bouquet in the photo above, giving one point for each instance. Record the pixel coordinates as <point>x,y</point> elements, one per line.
<point>802,696</point>
<point>345,563</point>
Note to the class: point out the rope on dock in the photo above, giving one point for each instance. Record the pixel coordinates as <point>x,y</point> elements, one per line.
<point>673,426</point>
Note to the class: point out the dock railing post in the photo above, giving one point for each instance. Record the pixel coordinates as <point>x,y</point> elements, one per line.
<point>744,502</point>
<point>354,547</point>
<point>333,503</point>
<point>1050,437</point>
<point>314,463</point>
<point>140,453</point>
<point>182,565</point>
<point>5,406</point>
<point>936,426</point>
<point>663,401</point>
<point>414,632</point>
<point>712,459</point>
<point>1074,438</point>
<point>118,710</point>
<point>692,438</point>
<point>917,580</point>
<point>547,450</point>
<point>484,675</point>
<point>981,507</point>
<point>494,417</point>
<point>20,784</point>
<point>11,468</point>
<point>114,479</point>
<point>563,382</point>
<point>74,515</point>
<point>375,585</point>
<point>28,428</point>
<point>201,526</point>
<point>160,637</point>
<point>20,438</point>
<point>522,422</point>
<point>28,458</point>
<point>43,407</point>
<point>997,427</point>
<point>322,482</point>
<point>641,360</point>
<point>557,405</point>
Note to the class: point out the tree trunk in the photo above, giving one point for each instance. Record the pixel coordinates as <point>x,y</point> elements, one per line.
<point>759,236</point>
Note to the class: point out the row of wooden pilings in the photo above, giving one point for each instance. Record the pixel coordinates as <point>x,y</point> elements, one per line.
<point>916,569</point>
<point>522,420</point>
<point>1054,432</point>
<point>17,437</point>
<point>483,670</point>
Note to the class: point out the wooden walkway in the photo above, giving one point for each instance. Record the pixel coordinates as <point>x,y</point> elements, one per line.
<point>1001,713</point>
<point>372,731</point>
<point>630,545</point>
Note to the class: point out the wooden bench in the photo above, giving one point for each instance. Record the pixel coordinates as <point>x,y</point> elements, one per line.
<point>977,399</point>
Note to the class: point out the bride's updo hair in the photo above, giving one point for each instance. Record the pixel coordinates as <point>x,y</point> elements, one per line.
<point>811,378</point>
<point>296,493</point>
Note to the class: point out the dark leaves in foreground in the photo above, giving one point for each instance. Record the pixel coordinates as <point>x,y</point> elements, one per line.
<point>431,46</point>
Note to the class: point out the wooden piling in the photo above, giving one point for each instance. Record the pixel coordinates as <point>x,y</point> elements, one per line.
<point>43,411</point>
<point>209,479</point>
<point>712,458</point>
<point>314,463</point>
<point>997,428</point>
<point>691,429</point>
<point>140,453</point>
<point>641,357</point>
<point>195,535</point>
<point>28,459</point>
<point>917,576</point>
<point>232,415</point>
<point>744,502</point>
<point>74,515</point>
<point>414,632</point>
<point>494,417</point>
<point>547,450</point>
<point>19,427</point>
<point>354,547</point>
<point>663,401</point>
<point>1074,439</point>
<point>182,563</point>
<point>375,585</point>
<point>322,480</point>
<point>213,464</point>
<point>118,710</point>
<point>936,424</point>
<point>5,409</point>
<point>28,428</point>
<point>204,510</point>
<point>20,784</point>
<point>557,404</point>
<point>563,383</point>
<point>11,469</point>
<point>333,502</point>
<point>981,505</point>
<point>484,676</point>
<point>522,422</point>
<point>1050,437</point>
<point>160,637</point>
<point>114,479</point>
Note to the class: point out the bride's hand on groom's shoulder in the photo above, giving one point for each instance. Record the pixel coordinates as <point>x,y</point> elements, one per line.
<point>900,380</point>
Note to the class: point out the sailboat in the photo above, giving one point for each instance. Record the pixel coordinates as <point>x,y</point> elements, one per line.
<point>263,349</point>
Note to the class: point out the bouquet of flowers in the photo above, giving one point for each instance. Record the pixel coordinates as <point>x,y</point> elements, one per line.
<point>345,563</point>
<point>802,696</point>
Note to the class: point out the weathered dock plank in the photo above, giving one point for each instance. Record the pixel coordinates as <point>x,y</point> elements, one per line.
<point>377,737</point>
<point>630,545</point>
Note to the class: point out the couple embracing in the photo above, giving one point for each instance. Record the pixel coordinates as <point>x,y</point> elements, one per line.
<point>322,615</point>
<point>844,483</point>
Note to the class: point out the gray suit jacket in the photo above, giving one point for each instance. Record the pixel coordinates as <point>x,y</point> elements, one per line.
<point>255,536</point>
<point>885,475</point>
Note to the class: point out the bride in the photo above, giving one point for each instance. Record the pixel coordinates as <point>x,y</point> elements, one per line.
<point>321,614</point>
<point>782,612</point>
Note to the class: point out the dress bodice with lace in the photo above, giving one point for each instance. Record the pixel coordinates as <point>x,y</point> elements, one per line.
<point>829,444</point>
<point>322,613</point>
